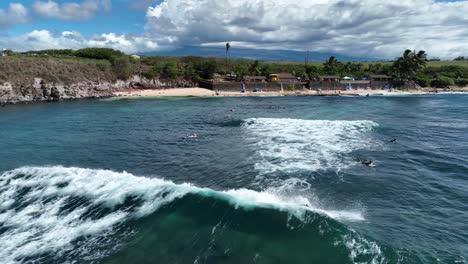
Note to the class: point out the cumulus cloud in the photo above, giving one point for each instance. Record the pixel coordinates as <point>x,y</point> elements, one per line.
<point>15,14</point>
<point>355,27</point>
<point>368,28</point>
<point>70,10</point>
<point>44,39</point>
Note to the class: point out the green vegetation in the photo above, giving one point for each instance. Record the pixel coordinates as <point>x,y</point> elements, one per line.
<point>122,67</point>
<point>99,53</point>
<point>410,64</point>
<point>21,70</point>
<point>109,65</point>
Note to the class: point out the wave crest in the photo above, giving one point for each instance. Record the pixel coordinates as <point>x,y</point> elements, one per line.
<point>46,209</point>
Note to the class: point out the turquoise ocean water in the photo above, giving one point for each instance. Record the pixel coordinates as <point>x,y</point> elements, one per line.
<point>267,180</point>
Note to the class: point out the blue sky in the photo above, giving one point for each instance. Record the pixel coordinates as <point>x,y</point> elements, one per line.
<point>367,28</point>
<point>121,19</point>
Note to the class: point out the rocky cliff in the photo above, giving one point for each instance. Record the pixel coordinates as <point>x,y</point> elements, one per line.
<point>41,90</point>
<point>36,78</point>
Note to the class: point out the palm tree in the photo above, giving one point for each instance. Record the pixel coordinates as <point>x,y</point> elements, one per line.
<point>421,59</point>
<point>332,66</point>
<point>408,65</point>
<point>228,46</point>
<point>254,68</point>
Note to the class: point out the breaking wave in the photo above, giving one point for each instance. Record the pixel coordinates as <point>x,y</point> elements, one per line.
<point>45,210</point>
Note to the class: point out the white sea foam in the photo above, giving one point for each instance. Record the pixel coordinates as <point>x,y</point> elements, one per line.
<point>33,199</point>
<point>360,247</point>
<point>292,145</point>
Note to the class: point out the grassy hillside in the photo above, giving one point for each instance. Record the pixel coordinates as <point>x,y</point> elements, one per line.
<point>21,70</point>
<point>94,64</point>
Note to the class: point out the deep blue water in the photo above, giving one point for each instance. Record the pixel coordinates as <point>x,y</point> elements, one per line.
<point>267,180</point>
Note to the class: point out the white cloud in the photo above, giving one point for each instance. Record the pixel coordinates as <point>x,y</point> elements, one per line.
<point>15,14</point>
<point>355,27</point>
<point>368,28</point>
<point>70,10</point>
<point>44,39</point>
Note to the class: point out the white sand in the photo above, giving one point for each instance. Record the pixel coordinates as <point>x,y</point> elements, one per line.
<point>201,92</point>
<point>166,92</point>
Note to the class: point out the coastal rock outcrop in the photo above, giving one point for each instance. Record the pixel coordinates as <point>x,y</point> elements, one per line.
<point>40,90</point>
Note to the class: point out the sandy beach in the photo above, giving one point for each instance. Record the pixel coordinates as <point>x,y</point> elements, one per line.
<point>201,92</point>
<point>174,92</point>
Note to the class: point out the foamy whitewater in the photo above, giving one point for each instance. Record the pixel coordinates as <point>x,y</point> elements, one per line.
<point>32,199</point>
<point>291,145</point>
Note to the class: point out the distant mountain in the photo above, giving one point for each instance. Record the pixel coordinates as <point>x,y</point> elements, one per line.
<point>255,54</point>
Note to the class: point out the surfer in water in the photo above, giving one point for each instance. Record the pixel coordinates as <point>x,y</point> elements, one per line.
<point>393,140</point>
<point>369,163</point>
<point>192,136</point>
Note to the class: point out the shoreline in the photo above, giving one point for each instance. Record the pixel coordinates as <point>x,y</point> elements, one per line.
<point>202,92</point>
<point>132,93</point>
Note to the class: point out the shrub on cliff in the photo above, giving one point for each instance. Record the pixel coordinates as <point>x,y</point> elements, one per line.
<point>99,53</point>
<point>21,71</point>
<point>190,73</point>
<point>122,67</point>
<point>442,82</point>
<point>51,52</point>
<point>165,70</point>
<point>171,71</point>
<point>461,82</point>
<point>206,68</point>
<point>153,72</point>
<point>423,81</point>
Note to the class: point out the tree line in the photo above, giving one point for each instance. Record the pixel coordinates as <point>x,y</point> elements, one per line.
<point>412,65</point>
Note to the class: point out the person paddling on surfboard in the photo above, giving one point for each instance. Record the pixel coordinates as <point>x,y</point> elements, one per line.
<point>369,163</point>
<point>192,136</point>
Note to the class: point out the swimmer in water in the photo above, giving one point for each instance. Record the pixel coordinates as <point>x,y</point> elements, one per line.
<point>368,163</point>
<point>192,136</point>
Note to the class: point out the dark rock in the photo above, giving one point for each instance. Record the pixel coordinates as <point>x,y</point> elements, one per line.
<point>39,90</point>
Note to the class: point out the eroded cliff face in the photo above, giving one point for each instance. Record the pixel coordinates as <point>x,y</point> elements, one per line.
<point>40,90</point>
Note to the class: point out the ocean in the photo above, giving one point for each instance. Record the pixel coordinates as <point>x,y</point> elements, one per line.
<point>266,180</point>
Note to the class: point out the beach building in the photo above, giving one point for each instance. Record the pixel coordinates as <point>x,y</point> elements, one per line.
<point>355,84</point>
<point>254,83</point>
<point>381,81</point>
<point>250,79</point>
<point>283,77</point>
<point>326,82</point>
<point>287,78</point>
<point>329,78</point>
<point>135,57</point>
<point>380,78</point>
